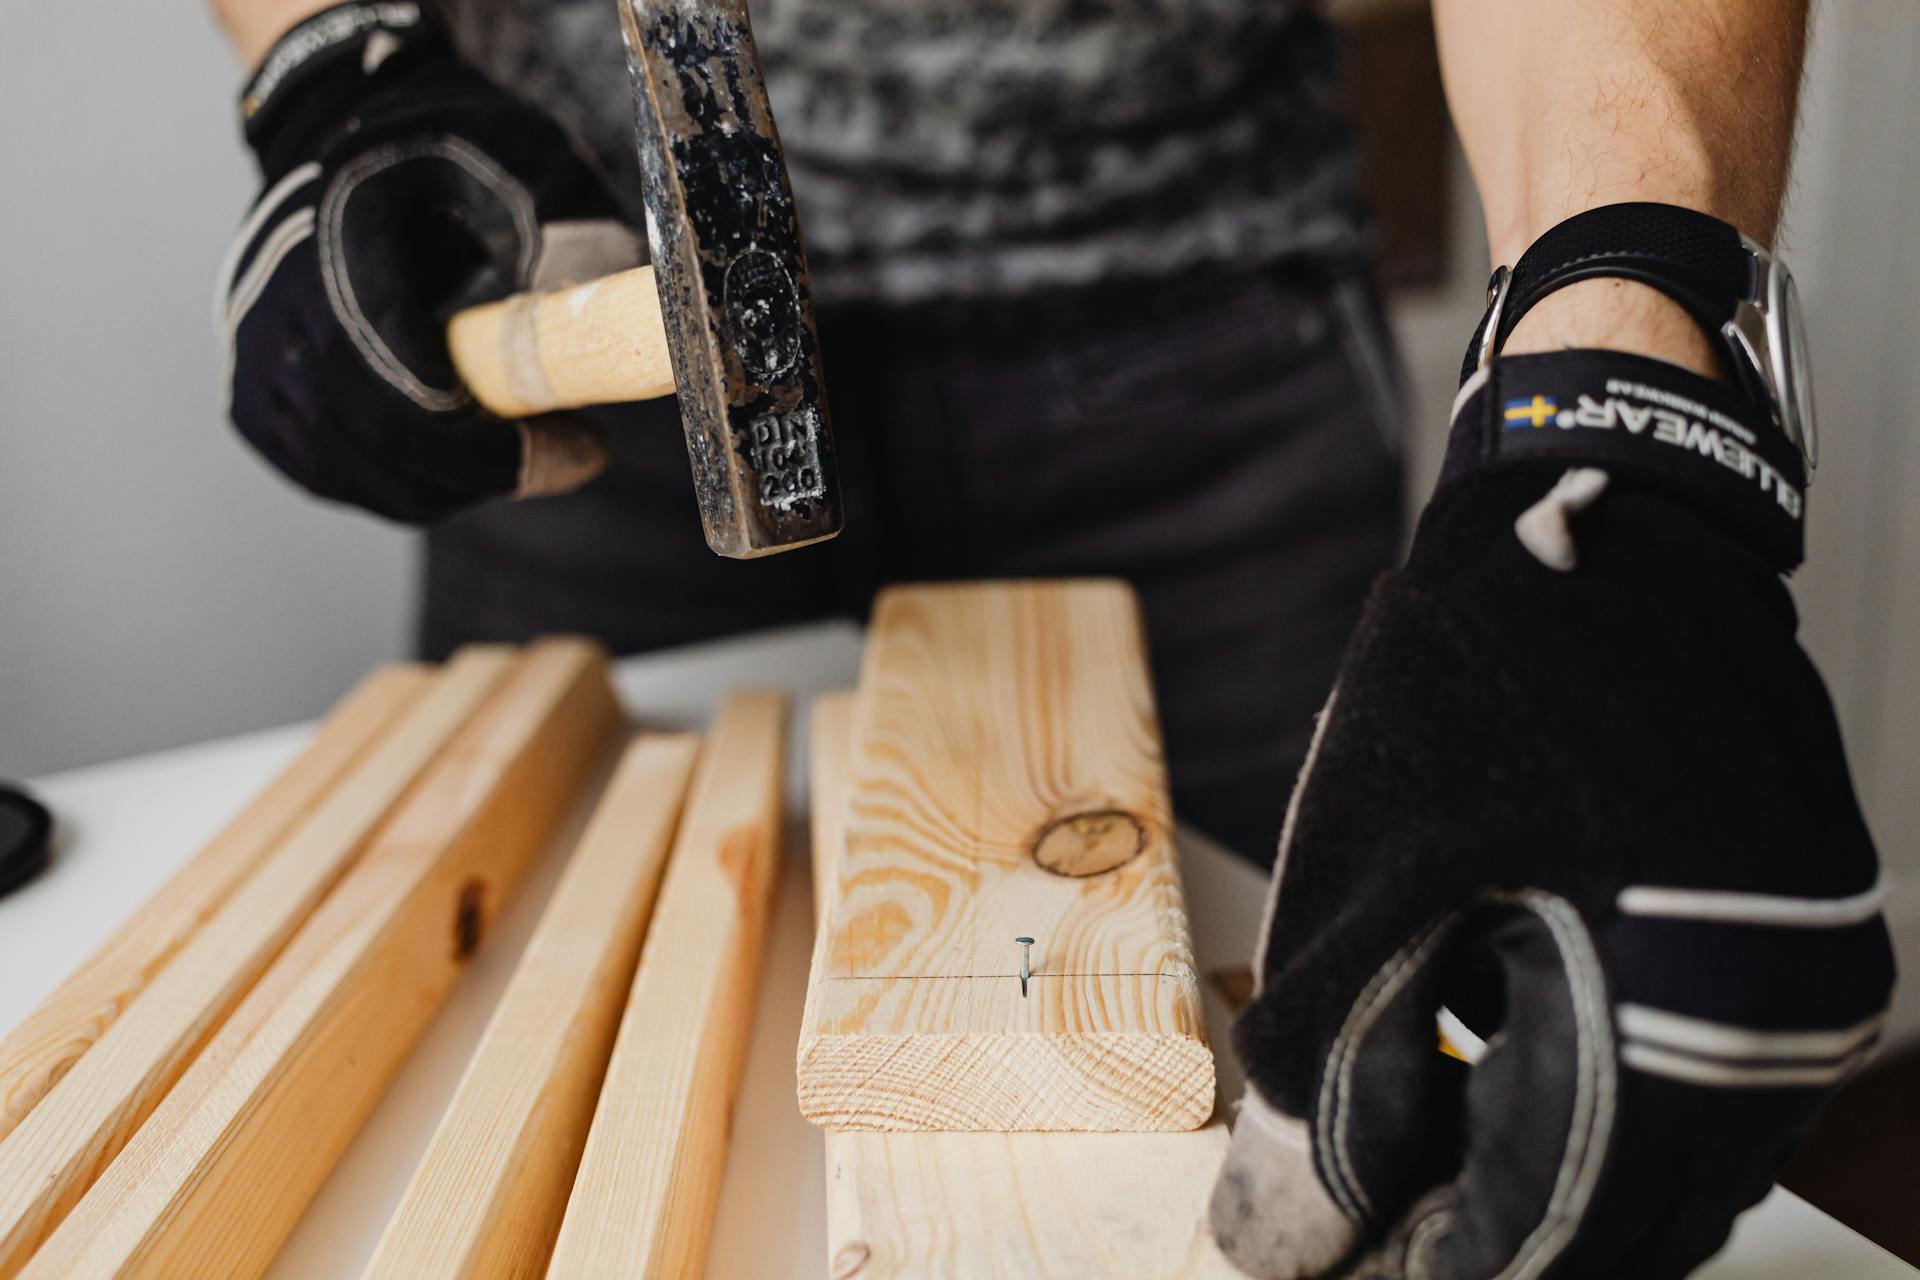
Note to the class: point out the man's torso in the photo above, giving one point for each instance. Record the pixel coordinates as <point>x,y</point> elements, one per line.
<point>982,148</point>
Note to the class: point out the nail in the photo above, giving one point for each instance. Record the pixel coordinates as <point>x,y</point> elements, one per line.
<point>1026,956</point>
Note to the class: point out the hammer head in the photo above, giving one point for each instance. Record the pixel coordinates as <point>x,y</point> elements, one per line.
<point>733,283</point>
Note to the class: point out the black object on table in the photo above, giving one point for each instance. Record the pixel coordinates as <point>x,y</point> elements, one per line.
<point>26,831</point>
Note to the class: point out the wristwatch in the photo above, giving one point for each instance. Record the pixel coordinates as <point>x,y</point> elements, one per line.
<point>1740,293</point>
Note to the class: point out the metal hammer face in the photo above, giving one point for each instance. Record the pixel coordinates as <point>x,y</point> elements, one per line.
<point>734,293</point>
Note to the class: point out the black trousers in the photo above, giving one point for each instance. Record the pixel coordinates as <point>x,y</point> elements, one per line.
<point>1229,446</point>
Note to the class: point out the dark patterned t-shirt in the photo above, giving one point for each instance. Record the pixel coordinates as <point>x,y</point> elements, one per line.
<point>968,148</point>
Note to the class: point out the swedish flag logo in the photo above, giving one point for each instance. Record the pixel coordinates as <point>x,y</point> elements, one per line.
<point>1537,412</point>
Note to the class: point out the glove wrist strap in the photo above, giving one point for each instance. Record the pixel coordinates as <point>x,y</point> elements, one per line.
<point>1695,259</point>
<point>318,43</point>
<point>1639,417</point>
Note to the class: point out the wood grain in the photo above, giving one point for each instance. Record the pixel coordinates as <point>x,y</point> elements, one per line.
<point>1007,780</point>
<point>597,343</point>
<point>829,753</point>
<point>57,1151</point>
<point>220,1172</point>
<point>487,1198</point>
<point>1025,1206</point>
<point>37,1052</point>
<point>643,1201</point>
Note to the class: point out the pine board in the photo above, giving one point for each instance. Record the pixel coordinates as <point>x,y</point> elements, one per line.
<point>63,1144</point>
<point>487,1197</point>
<point>212,1183</point>
<point>1006,780</point>
<point>37,1052</point>
<point>643,1200</point>
<point>1024,1206</point>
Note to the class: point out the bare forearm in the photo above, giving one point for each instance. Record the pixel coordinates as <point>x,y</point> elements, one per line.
<point>1563,105</point>
<point>253,25</point>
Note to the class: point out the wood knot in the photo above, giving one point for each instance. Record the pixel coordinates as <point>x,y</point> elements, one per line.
<point>1089,844</point>
<point>469,918</point>
<point>851,1260</point>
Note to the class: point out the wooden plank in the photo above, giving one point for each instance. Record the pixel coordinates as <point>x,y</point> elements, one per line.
<point>37,1052</point>
<point>1026,1206</point>
<point>1099,1206</point>
<point>214,1180</point>
<point>1007,781</point>
<point>57,1151</point>
<point>643,1200</point>
<point>830,721</point>
<point>487,1197</point>
<point>829,753</point>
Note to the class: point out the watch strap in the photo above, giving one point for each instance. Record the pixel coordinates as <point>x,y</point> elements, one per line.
<point>1636,417</point>
<point>1692,257</point>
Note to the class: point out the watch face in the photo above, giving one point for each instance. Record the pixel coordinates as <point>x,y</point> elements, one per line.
<point>1792,372</point>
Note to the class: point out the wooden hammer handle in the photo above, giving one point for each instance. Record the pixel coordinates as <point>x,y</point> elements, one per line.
<point>596,343</point>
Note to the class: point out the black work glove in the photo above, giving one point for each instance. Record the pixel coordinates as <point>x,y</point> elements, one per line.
<point>1578,786</point>
<point>400,185</point>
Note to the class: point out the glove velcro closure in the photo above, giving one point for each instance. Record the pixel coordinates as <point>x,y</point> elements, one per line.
<point>1631,415</point>
<point>316,45</point>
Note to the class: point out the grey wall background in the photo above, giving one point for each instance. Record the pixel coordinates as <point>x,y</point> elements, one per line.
<point>1855,230</point>
<point>159,586</point>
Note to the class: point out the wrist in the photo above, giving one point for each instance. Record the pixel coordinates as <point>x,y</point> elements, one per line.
<point>1612,314</point>
<point>1743,316</point>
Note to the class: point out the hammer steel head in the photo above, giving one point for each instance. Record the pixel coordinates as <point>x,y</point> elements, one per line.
<point>733,282</point>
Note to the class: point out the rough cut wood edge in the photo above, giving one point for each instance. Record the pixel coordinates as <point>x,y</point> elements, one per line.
<point>1002,726</point>
<point>643,1201</point>
<point>37,1052</point>
<point>65,1142</point>
<point>487,1197</point>
<point>218,1175</point>
<point>597,343</point>
<point>829,749</point>
<point>919,1206</point>
<point>829,746</point>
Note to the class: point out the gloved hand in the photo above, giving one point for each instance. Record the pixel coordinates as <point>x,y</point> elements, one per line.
<point>1578,785</point>
<point>400,185</point>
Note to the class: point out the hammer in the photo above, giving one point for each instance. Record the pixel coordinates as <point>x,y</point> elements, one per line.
<point>723,315</point>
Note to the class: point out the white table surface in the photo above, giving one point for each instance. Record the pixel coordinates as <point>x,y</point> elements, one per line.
<point>123,827</point>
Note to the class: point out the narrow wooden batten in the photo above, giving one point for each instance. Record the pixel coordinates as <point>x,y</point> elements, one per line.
<point>212,1182</point>
<point>643,1200</point>
<point>48,1041</point>
<point>57,1151</point>
<point>487,1197</point>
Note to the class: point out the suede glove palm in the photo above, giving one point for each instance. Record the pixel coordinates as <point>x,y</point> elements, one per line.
<point>1579,787</point>
<point>400,185</point>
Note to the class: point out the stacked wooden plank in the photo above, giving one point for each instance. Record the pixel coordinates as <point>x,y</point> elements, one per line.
<point>997,775</point>
<point>486,1197</point>
<point>1006,782</point>
<point>175,1105</point>
<point>177,1102</point>
<point>643,1201</point>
